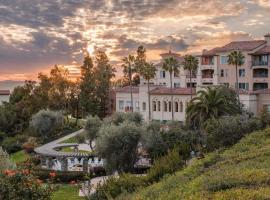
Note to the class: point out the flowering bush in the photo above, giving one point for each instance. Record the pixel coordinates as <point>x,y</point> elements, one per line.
<point>21,184</point>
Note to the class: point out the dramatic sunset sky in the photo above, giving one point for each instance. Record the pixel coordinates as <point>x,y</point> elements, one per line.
<point>36,34</point>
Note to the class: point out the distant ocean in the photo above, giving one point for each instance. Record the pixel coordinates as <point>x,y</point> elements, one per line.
<point>10,85</point>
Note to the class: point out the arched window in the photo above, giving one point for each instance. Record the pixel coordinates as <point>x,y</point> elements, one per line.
<point>170,106</point>
<point>181,106</point>
<point>165,106</point>
<point>158,105</point>
<point>154,106</point>
<point>175,106</point>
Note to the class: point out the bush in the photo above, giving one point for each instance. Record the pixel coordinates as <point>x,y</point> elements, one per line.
<point>118,145</point>
<point>229,130</point>
<point>113,187</point>
<point>92,127</point>
<point>14,144</point>
<point>118,118</point>
<point>46,122</point>
<point>4,160</point>
<point>20,184</point>
<point>30,145</point>
<point>60,176</point>
<point>165,165</point>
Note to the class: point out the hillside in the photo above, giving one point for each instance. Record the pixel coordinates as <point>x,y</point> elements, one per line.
<point>241,172</point>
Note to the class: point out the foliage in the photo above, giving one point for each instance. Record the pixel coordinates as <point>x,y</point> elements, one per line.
<point>228,130</point>
<point>114,186</point>
<point>30,144</point>
<point>60,176</point>
<point>14,144</point>
<point>4,161</point>
<point>118,145</point>
<point>119,118</point>
<point>241,172</point>
<point>211,104</point>
<point>265,117</point>
<point>46,122</point>
<point>191,64</point>
<point>21,184</point>
<point>92,127</point>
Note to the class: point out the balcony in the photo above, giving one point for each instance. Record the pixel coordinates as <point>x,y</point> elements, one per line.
<point>259,63</point>
<point>260,86</point>
<point>260,73</point>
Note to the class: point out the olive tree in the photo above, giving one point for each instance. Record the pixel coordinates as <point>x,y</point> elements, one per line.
<point>118,145</point>
<point>46,122</point>
<point>92,127</point>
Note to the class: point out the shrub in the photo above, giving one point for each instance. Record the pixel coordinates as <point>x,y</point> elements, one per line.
<point>60,176</point>
<point>4,160</point>
<point>118,145</point>
<point>21,184</point>
<point>14,144</point>
<point>30,145</point>
<point>118,118</point>
<point>113,187</point>
<point>165,165</point>
<point>228,130</point>
<point>45,123</point>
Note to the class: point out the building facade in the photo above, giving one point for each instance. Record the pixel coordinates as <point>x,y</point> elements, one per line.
<point>213,69</point>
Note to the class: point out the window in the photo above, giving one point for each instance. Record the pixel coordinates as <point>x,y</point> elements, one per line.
<point>267,108</point>
<point>170,106</point>
<point>181,107</point>
<point>222,73</point>
<point>243,86</point>
<point>176,74</point>
<point>162,74</point>
<point>177,85</point>
<point>176,106</point>
<point>158,105</point>
<point>154,106</point>
<point>144,106</point>
<point>242,72</point>
<point>165,106</point>
<point>128,103</point>
<point>121,105</point>
<point>224,60</point>
<point>137,105</point>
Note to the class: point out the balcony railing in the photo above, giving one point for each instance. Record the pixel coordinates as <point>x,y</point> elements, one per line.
<point>192,76</point>
<point>259,63</point>
<point>260,75</point>
<point>207,63</point>
<point>207,76</point>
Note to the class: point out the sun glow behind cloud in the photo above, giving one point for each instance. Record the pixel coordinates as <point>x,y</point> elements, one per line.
<point>34,37</point>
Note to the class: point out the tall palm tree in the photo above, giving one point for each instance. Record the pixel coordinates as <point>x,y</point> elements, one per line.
<point>211,103</point>
<point>236,58</point>
<point>172,66</point>
<point>191,64</point>
<point>148,73</point>
<point>129,70</point>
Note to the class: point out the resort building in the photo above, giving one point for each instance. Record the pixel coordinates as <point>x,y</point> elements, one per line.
<point>213,69</point>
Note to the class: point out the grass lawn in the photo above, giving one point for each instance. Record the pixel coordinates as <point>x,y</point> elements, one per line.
<point>69,149</point>
<point>67,192</point>
<point>19,156</point>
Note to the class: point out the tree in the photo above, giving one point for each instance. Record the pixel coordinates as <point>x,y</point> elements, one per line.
<point>211,103</point>
<point>87,96</point>
<point>104,72</point>
<point>236,58</point>
<point>4,161</point>
<point>140,58</point>
<point>118,145</point>
<point>128,70</point>
<point>191,64</point>
<point>92,127</point>
<point>148,73</point>
<point>172,66</point>
<point>74,100</point>
<point>46,122</point>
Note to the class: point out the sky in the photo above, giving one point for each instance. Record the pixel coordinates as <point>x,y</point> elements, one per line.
<point>37,34</point>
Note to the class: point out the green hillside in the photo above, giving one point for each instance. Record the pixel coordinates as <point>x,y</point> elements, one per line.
<point>241,172</point>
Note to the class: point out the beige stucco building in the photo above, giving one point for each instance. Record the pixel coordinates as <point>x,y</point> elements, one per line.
<point>213,69</point>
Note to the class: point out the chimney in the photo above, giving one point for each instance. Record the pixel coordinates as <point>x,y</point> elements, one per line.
<point>267,38</point>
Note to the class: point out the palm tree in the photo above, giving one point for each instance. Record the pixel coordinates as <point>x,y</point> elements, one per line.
<point>148,73</point>
<point>172,66</point>
<point>191,64</point>
<point>129,70</point>
<point>236,58</point>
<point>211,103</point>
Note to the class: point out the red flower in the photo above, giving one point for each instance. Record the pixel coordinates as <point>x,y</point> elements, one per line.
<point>9,172</point>
<point>52,174</point>
<point>39,182</point>
<point>26,171</point>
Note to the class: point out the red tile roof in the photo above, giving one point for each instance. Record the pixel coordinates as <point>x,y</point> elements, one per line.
<point>264,50</point>
<point>176,91</point>
<point>126,89</point>
<point>237,45</point>
<point>4,92</point>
